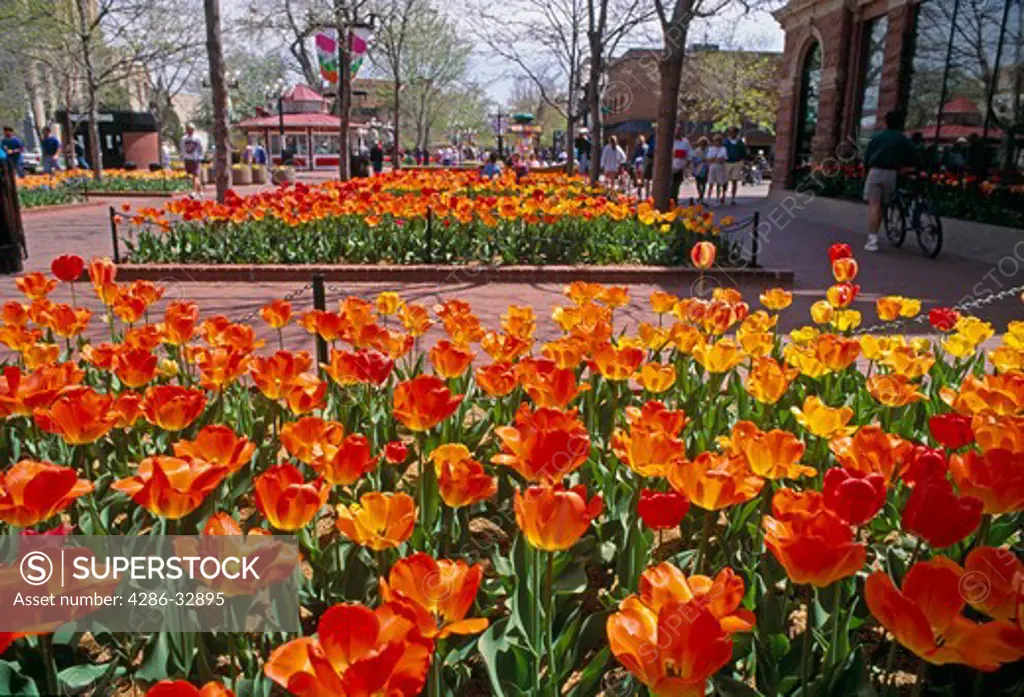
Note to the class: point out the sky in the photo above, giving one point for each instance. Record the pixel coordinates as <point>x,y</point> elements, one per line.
<point>756,30</point>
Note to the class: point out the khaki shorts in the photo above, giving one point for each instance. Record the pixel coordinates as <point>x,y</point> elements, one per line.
<point>879,185</point>
<point>734,171</point>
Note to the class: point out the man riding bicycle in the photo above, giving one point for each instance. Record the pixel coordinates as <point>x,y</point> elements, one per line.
<point>888,152</point>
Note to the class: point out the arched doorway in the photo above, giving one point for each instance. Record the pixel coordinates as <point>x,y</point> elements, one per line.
<point>807,112</point>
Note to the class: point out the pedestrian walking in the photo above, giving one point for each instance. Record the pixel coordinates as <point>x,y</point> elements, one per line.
<point>716,157</point>
<point>681,151</point>
<point>14,149</point>
<point>613,158</point>
<point>736,158</point>
<point>192,154</point>
<point>50,147</point>
<point>700,167</point>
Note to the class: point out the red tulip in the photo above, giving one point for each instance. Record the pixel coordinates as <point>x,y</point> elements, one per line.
<point>952,431</point>
<point>839,250</point>
<point>396,452</point>
<point>852,495</point>
<point>943,318</point>
<point>922,463</point>
<point>68,267</point>
<point>935,513</point>
<point>661,510</point>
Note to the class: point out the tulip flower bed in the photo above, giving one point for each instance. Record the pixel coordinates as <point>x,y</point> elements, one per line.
<point>69,186</point>
<point>702,504</point>
<point>410,217</point>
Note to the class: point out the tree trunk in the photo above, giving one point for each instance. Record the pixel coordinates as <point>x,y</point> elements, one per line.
<point>94,136</point>
<point>396,159</point>
<point>594,103</point>
<point>84,13</point>
<point>670,70</point>
<point>344,96</point>
<point>218,86</point>
<point>34,85</point>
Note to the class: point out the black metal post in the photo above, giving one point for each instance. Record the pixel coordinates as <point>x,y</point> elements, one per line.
<point>755,238</point>
<point>430,232</point>
<point>113,236</point>
<point>995,74</point>
<point>320,303</point>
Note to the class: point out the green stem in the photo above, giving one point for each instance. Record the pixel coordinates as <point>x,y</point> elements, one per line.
<point>550,597</point>
<point>698,562</point>
<point>46,648</point>
<point>805,655</point>
<point>837,596</point>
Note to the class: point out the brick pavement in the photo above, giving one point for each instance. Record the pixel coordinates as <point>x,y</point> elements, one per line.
<point>800,246</point>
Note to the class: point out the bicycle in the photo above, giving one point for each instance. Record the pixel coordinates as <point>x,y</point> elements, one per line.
<point>915,210</point>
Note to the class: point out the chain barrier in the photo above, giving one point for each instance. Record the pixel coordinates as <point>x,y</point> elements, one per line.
<point>963,308</point>
<point>288,297</point>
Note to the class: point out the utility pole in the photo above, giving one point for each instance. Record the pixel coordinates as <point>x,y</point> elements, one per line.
<point>499,132</point>
<point>344,90</point>
<point>218,85</point>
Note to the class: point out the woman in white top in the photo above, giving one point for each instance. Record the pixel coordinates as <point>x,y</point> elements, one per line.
<point>717,179</point>
<point>612,159</point>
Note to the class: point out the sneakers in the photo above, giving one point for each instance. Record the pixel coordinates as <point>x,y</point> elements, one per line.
<point>872,244</point>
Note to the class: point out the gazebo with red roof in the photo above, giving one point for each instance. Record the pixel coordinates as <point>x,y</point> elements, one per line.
<point>307,124</point>
<point>961,118</point>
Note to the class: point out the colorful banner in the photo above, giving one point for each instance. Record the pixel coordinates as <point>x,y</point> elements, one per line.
<point>327,54</point>
<point>358,42</point>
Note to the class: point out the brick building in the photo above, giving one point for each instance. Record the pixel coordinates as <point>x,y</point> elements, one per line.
<point>631,94</point>
<point>848,62</point>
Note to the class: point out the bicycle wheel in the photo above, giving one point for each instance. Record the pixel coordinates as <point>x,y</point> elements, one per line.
<point>895,223</point>
<point>928,226</point>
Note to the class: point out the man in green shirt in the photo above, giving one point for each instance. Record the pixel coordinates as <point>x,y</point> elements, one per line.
<point>888,152</point>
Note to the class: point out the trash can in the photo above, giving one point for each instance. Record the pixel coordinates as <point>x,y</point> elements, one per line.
<point>13,250</point>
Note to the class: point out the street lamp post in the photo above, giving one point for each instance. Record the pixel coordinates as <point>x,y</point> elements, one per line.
<point>345,25</point>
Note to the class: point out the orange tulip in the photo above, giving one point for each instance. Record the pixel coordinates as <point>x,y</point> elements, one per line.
<point>520,322</point>
<point>871,451</point>
<point>285,499</point>
<point>32,492</point>
<point>581,292</point>
<point>79,415</point>
<point>352,459</point>
<point>497,379</point>
<point>274,375</point>
<point>546,384</point>
<point>220,367</point>
<point>703,255</point>
<point>673,651</point>
<point>722,596</point>
<point>836,352</point>
<point>357,651</point>
<point>995,588</point>
<point>991,394</point>
<point>306,393</point>
<point>926,617</point>
<point>171,487</point>
<point>35,285</point>
<point>38,355</point>
<point>450,360</point>
<point>276,313</point>
<point>555,518</point>
<point>145,336</point>
<point>172,407</point>
<point>545,445</point>
<point>845,269</point>
<point>461,479</point>
<point>773,455</point>
<point>776,299</point>
<point>440,592</point>
<point>181,688</point>
<point>423,402</point>
<point>218,445</point>
<point>656,377</point>
<point>811,542</point>
<point>652,443</point>
<point>23,393</point>
<point>66,321</point>
<point>135,367</point>
<point>566,352</point>
<point>662,302</point>
<point>505,347</point>
<point>823,420</point>
<point>312,440</point>
<point>893,390</point>
<point>768,381</point>
<point>714,481</point>
<point>388,303</point>
<point>364,366</point>
<point>379,521</point>
<point>995,476</point>
<point>415,319</point>
<point>180,320</point>
<point>102,271</point>
<point>617,363</point>
<point>719,357</point>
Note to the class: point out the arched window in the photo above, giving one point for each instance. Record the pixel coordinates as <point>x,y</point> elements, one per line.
<point>810,94</point>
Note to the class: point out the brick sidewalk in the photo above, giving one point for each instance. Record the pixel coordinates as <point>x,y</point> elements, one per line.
<point>801,246</point>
